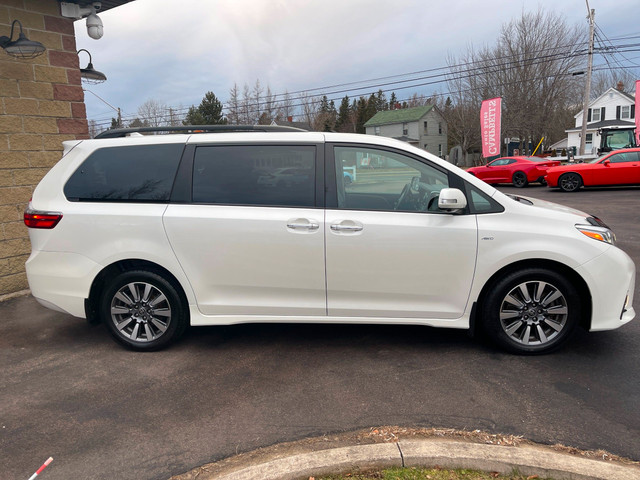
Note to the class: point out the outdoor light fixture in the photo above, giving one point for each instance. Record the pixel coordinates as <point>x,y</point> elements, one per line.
<point>95,28</point>
<point>89,74</point>
<point>22,47</point>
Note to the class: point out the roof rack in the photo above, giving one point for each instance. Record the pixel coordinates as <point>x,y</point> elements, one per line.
<point>123,132</point>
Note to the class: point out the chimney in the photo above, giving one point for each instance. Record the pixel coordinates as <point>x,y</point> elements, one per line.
<point>620,87</point>
<point>289,119</point>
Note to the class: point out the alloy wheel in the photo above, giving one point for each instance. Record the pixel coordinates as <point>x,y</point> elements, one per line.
<point>534,313</point>
<point>140,312</point>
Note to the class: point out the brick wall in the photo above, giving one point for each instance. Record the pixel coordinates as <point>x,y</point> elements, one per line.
<point>41,104</point>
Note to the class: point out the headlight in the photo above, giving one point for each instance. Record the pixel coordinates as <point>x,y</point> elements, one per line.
<point>598,233</point>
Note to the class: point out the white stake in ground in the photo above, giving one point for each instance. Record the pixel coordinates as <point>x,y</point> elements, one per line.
<point>44,465</point>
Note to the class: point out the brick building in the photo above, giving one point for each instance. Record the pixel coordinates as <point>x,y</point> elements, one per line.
<point>41,105</point>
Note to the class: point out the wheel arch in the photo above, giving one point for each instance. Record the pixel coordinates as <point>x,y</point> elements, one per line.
<point>573,276</point>
<point>91,303</point>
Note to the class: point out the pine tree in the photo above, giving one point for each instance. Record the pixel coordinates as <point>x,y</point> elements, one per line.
<point>209,112</point>
<point>344,116</point>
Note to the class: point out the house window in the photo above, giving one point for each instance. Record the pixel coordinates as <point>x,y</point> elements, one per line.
<point>426,145</point>
<point>440,150</point>
<point>425,129</point>
<point>439,128</point>
<point>376,130</point>
<point>595,115</point>
<point>405,129</point>
<point>625,111</point>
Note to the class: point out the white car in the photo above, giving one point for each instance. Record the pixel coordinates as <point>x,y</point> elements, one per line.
<point>150,234</point>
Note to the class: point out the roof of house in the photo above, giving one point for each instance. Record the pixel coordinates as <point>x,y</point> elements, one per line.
<point>604,123</point>
<point>402,115</point>
<point>625,95</point>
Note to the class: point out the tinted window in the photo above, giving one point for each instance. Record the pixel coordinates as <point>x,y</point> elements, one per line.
<point>624,157</point>
<point>141,173</point>
<point>370,179</point>
<point>255,175</point>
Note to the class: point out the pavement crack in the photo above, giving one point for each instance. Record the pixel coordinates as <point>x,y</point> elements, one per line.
<point>401,455</point>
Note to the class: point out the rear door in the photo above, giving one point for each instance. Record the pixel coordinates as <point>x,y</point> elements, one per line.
<point>249,237</point>
<point>390,251</point>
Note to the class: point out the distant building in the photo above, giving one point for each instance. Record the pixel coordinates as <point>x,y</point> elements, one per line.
<point>422,127</point>
<point>614,108</point>
<point>288,122</point>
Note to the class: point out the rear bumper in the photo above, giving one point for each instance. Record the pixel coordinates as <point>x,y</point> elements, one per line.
<point>61,281</point>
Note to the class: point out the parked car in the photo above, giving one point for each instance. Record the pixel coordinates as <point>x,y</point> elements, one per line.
<point>620,167</point>
<point>517,170</point>
<point>150,234</point>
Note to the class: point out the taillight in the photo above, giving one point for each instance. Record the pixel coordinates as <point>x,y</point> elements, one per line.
<point>39,219</point>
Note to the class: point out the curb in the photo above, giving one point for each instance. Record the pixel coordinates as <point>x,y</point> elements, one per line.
<point>526,459</point>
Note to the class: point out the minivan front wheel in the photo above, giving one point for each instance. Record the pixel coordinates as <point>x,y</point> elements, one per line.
<point>143,310</point>
<point>532,311</point>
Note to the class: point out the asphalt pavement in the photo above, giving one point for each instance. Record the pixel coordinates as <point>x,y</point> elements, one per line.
<point>102,412</point>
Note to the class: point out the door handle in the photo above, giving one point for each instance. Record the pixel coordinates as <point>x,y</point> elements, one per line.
<point>303,226</point>
<point>346,228</point>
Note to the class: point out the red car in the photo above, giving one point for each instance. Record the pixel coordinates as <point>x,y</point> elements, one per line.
<point>517,170</point>
<point>620,167</point>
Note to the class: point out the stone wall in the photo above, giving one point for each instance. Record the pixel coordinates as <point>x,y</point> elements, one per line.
<point>41,105</point>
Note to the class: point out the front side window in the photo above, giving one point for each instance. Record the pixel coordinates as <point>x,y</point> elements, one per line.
<point>398,183</point>
<point>271,175</point>
<point>624,157</point>
<point>140,173</point>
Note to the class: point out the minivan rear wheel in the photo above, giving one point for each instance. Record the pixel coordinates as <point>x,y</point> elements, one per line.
<point>143,310</point>
<point>531,311</point>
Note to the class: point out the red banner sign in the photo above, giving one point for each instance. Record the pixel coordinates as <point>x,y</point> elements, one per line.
<point>637,112</point>
<point>490,116</point>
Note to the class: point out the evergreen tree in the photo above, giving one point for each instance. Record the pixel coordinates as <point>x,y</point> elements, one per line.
<point>209,112</point>
<point>381,101</point>
<point>393,101</point>
<point>344,116</point>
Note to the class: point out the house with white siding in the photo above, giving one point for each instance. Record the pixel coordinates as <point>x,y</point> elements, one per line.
<point>614,108</point>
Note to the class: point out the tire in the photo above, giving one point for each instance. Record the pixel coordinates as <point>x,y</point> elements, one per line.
<point>143,310</point>
<point>519,180</point>
<point>523,319</point>
<point>570,182</point>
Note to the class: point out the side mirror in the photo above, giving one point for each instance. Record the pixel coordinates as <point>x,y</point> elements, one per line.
<point>451,200</point>
<point>606,163</point>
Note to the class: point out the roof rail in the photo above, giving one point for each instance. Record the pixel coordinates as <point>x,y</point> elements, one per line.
<point>123,132</point>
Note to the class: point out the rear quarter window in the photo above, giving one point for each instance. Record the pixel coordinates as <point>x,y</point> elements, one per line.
<point>140,173</point>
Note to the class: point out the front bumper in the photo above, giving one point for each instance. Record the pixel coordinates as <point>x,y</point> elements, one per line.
<point>611,280</point>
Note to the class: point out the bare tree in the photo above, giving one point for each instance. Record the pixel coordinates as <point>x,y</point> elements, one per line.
<point>233,106</point>
<point>603,80</point>
<point>530,67</point>
<point>154,113</point>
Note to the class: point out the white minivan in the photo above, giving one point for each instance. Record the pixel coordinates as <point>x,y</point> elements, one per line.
<point>149,234</point>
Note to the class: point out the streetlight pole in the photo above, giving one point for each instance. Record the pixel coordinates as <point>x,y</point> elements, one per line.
<point>587,89</point>
<point>117,109</point>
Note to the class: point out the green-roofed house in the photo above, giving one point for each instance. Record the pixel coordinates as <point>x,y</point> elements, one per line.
<point>423,127</point>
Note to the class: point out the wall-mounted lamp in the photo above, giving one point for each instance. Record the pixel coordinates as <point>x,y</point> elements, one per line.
<point>22,47</point>
<point>89,74</point>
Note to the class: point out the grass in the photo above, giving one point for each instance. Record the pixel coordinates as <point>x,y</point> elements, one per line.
<point>429,474</point>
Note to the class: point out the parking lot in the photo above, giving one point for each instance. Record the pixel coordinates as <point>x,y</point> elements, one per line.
<point>103,412</point>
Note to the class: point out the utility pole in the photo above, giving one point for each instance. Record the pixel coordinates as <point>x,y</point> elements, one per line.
<point>587,88</point>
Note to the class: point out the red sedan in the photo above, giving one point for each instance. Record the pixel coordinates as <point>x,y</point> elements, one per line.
<point>621,167</point>
<point>517,170</point>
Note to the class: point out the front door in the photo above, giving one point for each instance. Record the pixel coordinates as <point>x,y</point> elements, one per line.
<point>390,251</point>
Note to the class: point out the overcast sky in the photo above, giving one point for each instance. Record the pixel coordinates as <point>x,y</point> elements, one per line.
<point>175,51</point>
